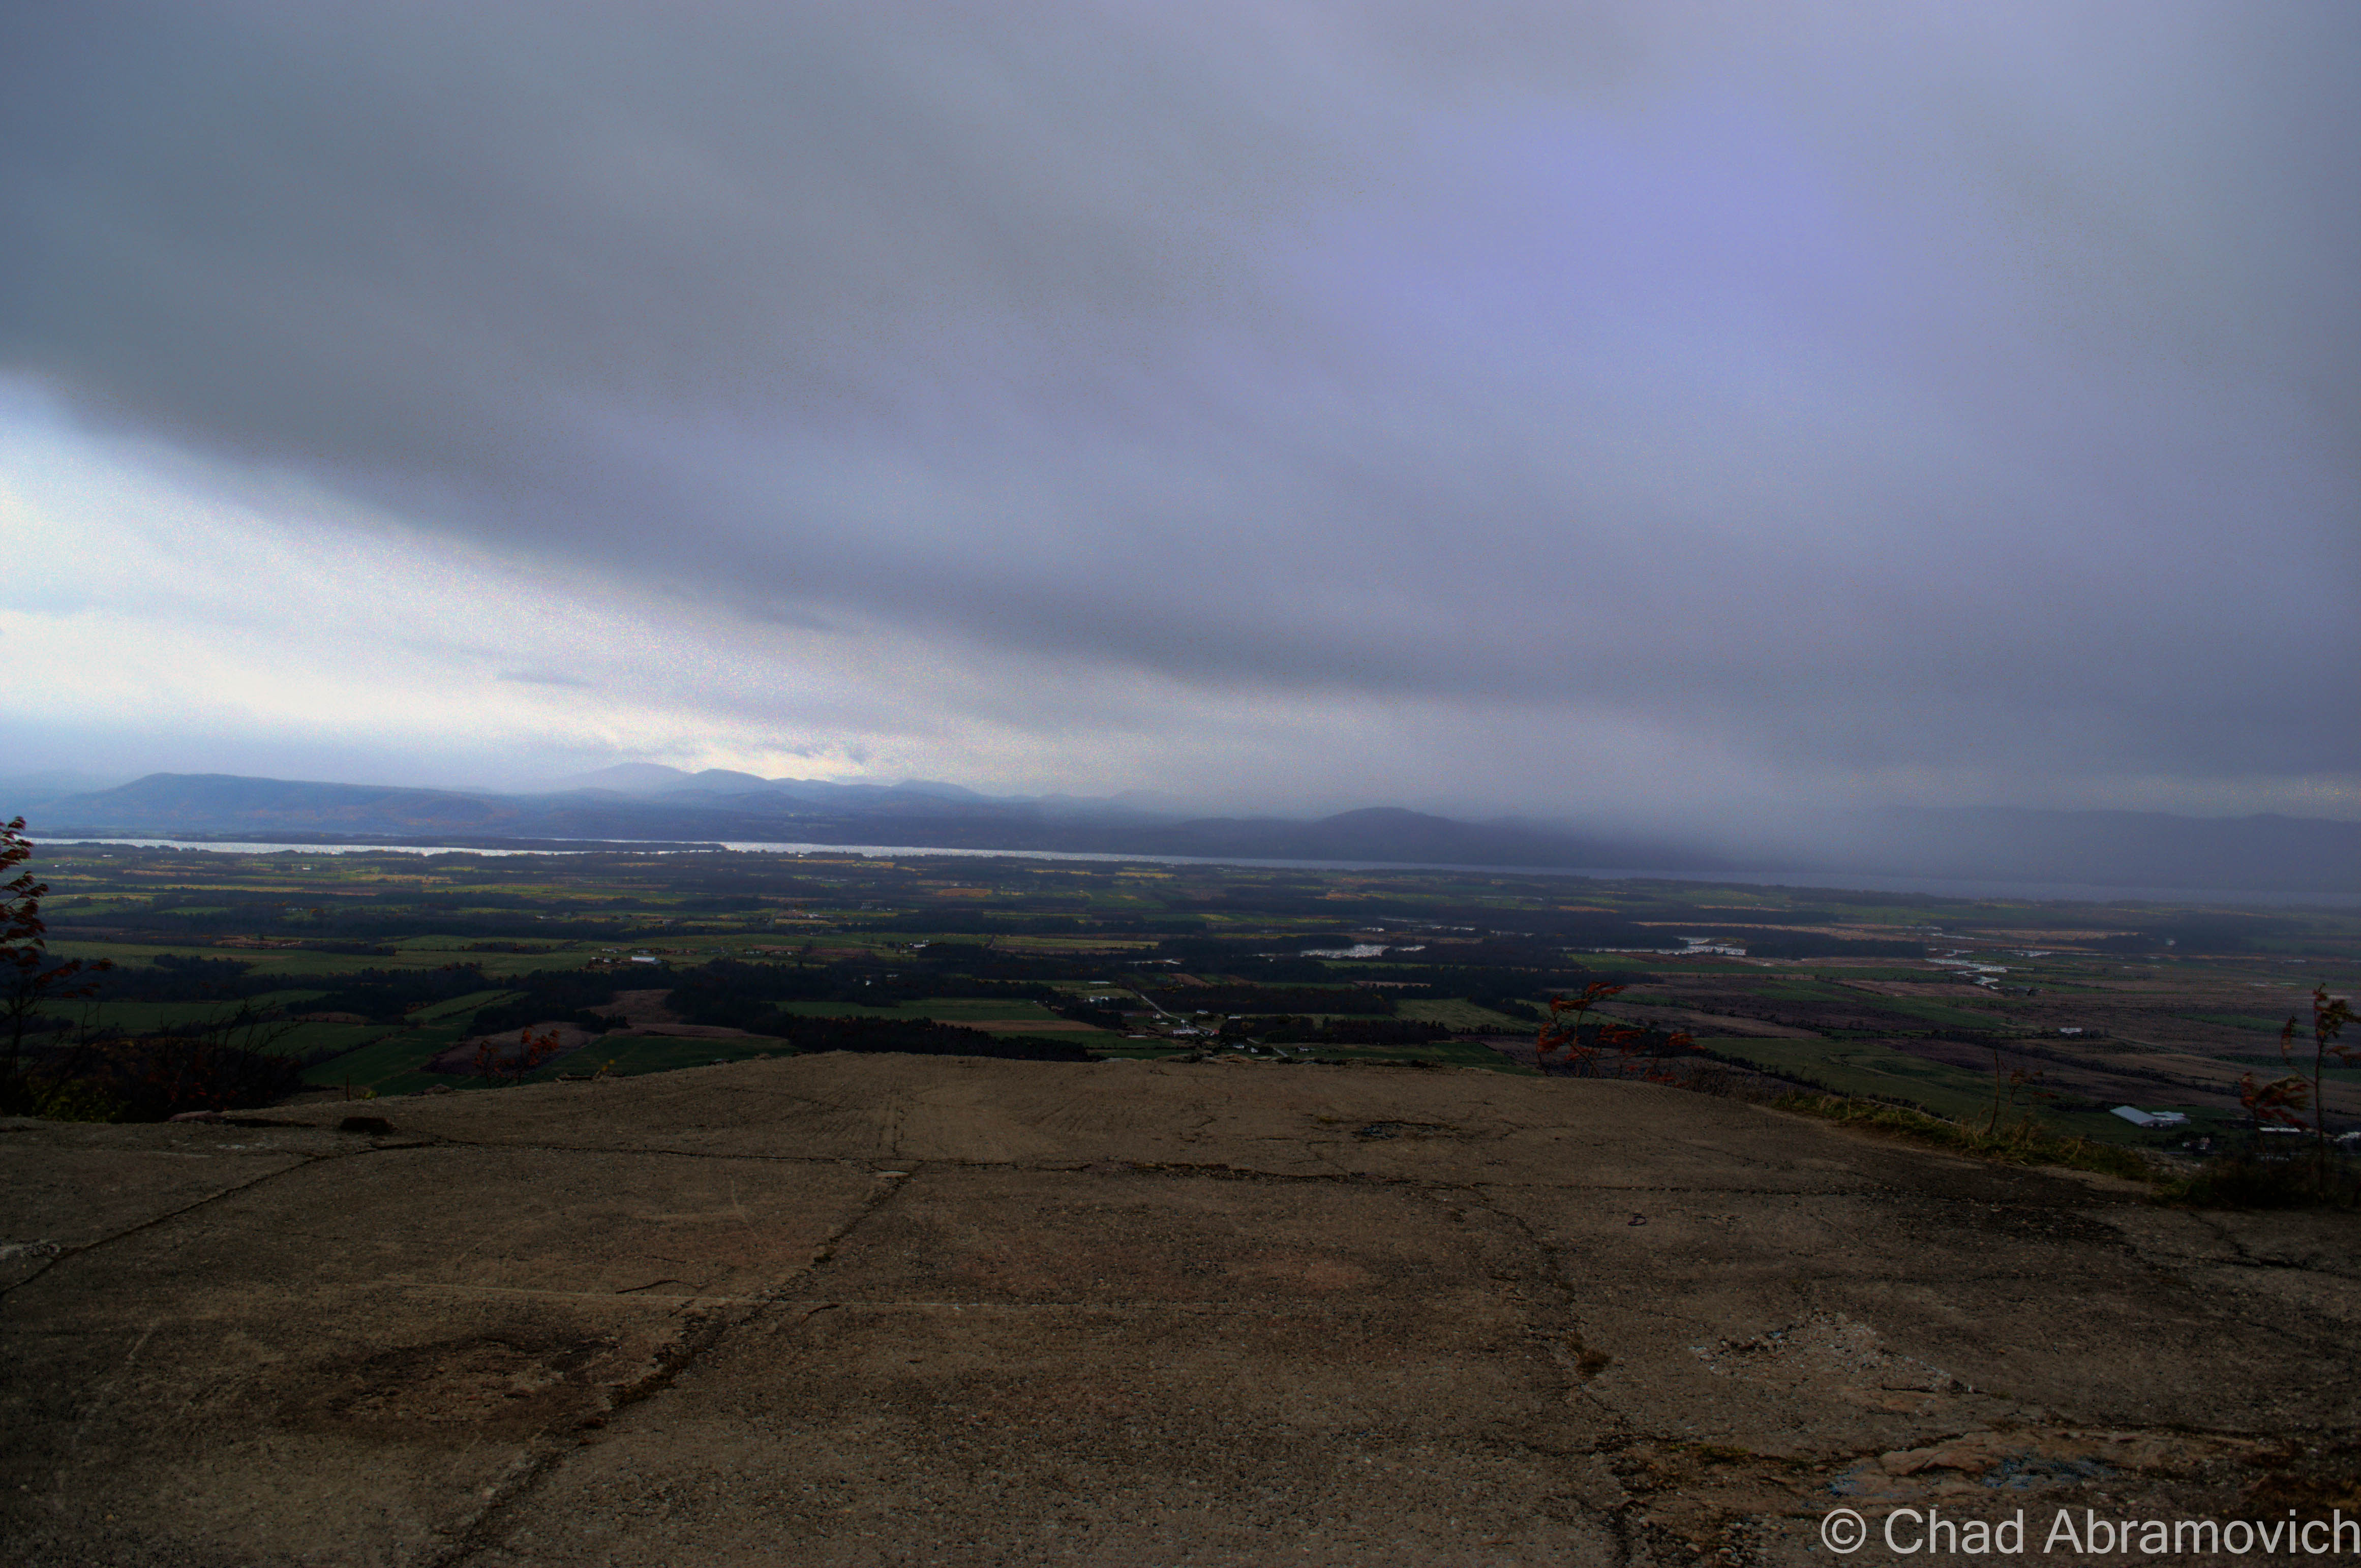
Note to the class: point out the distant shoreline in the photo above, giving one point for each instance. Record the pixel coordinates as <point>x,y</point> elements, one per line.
<point>1826,882</point>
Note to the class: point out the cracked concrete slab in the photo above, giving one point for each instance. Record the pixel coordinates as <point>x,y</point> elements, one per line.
<point>864,1309</point>
<point>375,1344</point>
<point>69,1186</point>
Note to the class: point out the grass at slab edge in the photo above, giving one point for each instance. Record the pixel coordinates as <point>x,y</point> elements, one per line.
<point>2022,1142</point>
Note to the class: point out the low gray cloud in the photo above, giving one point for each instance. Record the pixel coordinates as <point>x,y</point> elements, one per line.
<point>1964,395</point>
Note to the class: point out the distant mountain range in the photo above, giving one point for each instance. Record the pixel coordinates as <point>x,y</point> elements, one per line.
<point>637,801</point>
<point>716,805</point>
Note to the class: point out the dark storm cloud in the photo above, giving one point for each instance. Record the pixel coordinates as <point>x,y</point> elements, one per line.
<point>1970,387</point>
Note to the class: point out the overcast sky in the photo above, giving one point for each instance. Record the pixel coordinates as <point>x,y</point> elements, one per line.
<point>1587,411</point>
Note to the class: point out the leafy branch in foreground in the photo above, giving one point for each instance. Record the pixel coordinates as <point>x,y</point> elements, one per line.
<point>533,1048</point>
<point>29,976</point>
<point>226,1064</point>
<point>222,1065</point>
<point>2282,1100</point>
<point>2007,1087</point>
<point>1587,1045</point>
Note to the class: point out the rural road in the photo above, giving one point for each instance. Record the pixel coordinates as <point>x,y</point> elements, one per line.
<point>872,1309</point>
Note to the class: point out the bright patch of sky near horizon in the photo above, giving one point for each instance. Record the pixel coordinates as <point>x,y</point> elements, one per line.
<point>1597,412</point>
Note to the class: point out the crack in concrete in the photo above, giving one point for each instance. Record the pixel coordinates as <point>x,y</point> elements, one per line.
<point>1549,1315</point>
<point>701,1332</point>
<point>1543,1291</point>
<point>2245,1257</point>
<point>301,1162</point>
<point>1235,1172</point>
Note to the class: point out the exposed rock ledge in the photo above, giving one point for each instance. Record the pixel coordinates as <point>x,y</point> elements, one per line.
<point>872,1309</point>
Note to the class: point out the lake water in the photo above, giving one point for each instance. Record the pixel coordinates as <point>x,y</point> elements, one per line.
<point>1832,882</point>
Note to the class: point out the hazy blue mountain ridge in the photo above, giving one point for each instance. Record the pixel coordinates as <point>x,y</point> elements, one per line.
<point>2264,853</point>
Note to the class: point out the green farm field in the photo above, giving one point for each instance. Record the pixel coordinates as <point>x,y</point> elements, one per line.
<point>434,950</point>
